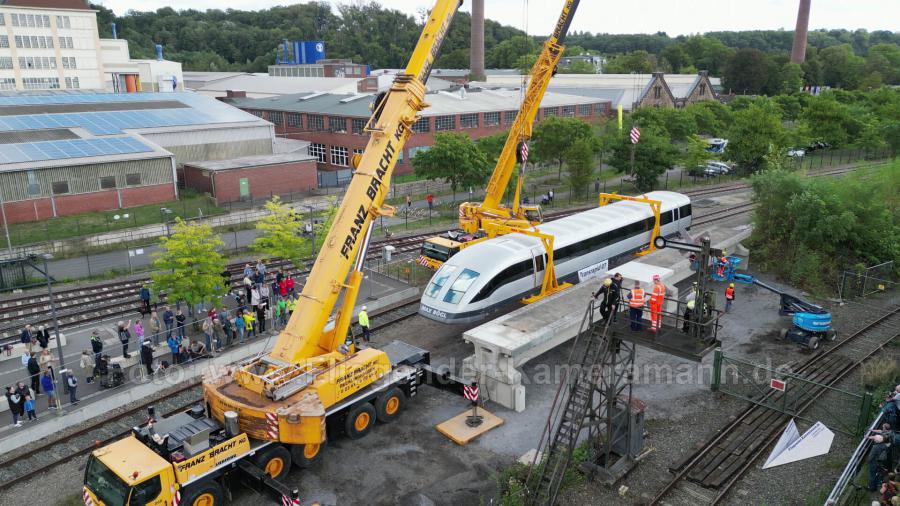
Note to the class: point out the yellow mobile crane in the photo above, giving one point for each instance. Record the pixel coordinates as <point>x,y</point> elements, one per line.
<point>490,218</point>
<point>273,410</point>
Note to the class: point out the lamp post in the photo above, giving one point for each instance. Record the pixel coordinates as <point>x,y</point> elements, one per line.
<point>59,346</point>
<point>5,223</point>
<point>127,245</point>
<point>165,212</point>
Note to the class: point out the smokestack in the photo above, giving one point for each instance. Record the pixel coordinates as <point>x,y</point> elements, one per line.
<point>476,59</point>
<point>798,53</point>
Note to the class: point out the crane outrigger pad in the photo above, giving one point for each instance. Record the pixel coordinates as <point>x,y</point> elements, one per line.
<point>457,430</point>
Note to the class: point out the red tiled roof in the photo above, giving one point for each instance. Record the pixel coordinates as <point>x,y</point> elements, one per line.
<point>48,4</point>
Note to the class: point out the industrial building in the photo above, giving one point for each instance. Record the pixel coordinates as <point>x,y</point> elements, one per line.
<point>628,90</point>
<point>68,152</point>
<point>55,44</point>
<point>253,177</point>
<point>334,123</point>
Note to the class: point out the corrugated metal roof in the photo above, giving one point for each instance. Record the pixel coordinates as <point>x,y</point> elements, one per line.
<point>266,85</point>
<point>252,161</point>
<point>47,4</point>
<point>442,103</point>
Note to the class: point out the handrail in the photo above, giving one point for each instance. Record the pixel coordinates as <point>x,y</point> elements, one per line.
<point>853,464</point>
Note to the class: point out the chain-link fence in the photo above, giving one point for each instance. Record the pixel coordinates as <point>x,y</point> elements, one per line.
<point>862,282</point>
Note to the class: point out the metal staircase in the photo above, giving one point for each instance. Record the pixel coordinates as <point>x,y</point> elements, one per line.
<point>571,406</point>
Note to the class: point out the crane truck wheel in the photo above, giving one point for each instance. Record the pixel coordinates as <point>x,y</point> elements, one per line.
<point>813,342</point>
<point>360,420</point>
<point>205,493</point>
<point>389,404</point>
<point>275,461</point>
<point>305,456</point>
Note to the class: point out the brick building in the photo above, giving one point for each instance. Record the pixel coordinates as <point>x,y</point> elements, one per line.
<point>64,153</point>
<point>334,123</point>
<point>252,177</point>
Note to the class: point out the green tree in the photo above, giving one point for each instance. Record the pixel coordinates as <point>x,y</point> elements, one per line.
<point>492,146</point>
<point>791,79</point>
<point>840,67</point>
<point>828,120</point>
<point>455,159</point>
<point>653,154</point>
<point>695,155</point>
<point>580,164</point>
<point>188,265</point>
<point>578,67</point>
<point>710,116</point>
<point>282,232</point>
<point>636,62</point>
<point>746,73</point>
<point>753,134</point>
<point>554,135</point>
<point>675,58</point>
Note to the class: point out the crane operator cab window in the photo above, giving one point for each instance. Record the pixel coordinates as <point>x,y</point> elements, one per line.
<point>113,491</point>
<point>534,214</point>
<point>459,287</point>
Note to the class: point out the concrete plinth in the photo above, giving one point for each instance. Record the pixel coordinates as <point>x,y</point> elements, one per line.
<point>504,345</point>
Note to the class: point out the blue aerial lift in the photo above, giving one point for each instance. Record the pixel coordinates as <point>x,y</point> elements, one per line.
<point>812,323</point>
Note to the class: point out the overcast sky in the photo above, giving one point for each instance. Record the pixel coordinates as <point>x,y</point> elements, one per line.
<point>674,17</point>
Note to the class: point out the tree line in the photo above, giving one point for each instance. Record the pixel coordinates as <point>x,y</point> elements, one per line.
<point>750,62</point>
<point>761,131</point>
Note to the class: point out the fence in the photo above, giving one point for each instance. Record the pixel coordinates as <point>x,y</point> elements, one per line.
<point>840,489</point>
<point>793,394</point>
<point>865,282</point>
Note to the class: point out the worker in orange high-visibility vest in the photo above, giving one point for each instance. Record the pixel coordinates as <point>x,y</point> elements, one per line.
<point>656,303</point>
<point>636,306</point>
<point>722,264</point>
<point>729,297</point>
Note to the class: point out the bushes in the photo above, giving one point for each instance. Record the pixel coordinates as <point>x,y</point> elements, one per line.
<point>808,230</point>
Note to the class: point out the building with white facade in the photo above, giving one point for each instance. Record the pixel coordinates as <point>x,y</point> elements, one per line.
<point>55,44</point>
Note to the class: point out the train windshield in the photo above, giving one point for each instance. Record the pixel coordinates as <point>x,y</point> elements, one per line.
<point>439,279</point>
<point>459,287</point>
<point>109,488</point>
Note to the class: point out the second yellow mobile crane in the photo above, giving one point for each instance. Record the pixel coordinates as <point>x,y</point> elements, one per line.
<point>479,221</point>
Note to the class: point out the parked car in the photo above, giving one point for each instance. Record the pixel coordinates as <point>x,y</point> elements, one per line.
<point>796,152</point>
<point>817,145</point>
<point>716,168</point>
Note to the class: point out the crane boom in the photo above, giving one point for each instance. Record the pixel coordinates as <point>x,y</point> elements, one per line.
<point>544,68</point>
<point>284,396</point>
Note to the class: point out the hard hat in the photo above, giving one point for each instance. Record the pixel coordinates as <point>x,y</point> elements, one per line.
<point>607,282</point>
<point>690,304</point>
<point>364,308</point>
<point>730,285</point>
<point>656,277</point>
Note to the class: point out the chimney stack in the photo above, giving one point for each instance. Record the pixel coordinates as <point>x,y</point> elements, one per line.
<point>798,52</point>
<point>476,58</point>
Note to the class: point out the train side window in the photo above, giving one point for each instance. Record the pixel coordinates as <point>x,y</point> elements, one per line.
<point>666,217</point>
<point>685,211</point>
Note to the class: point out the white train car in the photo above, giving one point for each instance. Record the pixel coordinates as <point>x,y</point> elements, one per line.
<point>487,276</point>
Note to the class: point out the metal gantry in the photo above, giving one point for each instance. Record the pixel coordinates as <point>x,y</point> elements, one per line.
<point>594,397</point>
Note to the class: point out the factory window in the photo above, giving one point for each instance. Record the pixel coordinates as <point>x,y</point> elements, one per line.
<point>8,83</point>
<point>72,83</point>
<point>33,187</point>
<point>31,21</point>
<point>60,187</point>
<point>509,117</point>
<point>422,125</point>
<point>276,117</point>
<point>339,156</point>
<point>468,120</point>
<point>45,21</point>
<point>2,19</point>
<point>107,182</point>
<point>358,126</point>
<point>66,43</point>
<point>599,108</point>
<point>358,151</point>
<point>702,89</point>
<point>550,111</point>
<point>491,119</point>
<point>40,83</point>
<point>656,92</point>
<point>258,114</point>
<point>444,123</point>
<point>133,179</point>
<point>337,124</point>
<point>317,150</point>
<point>293,120</point>
<point>6,62</point>
<point>315,122</point>
<point>584,110</point>
<point>4,40</point>
<point>63,22</point>
<point>568,111</point>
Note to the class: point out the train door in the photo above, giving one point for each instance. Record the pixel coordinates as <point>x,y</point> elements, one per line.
<point>539,260</point>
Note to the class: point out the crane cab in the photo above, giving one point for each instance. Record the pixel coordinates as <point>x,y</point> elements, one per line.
<point>127,472</point>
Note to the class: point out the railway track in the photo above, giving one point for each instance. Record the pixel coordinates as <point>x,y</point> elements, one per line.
<point>111,300</point>
<point>722,214</point>
<point>707,475</point>
<point>48,455</point>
